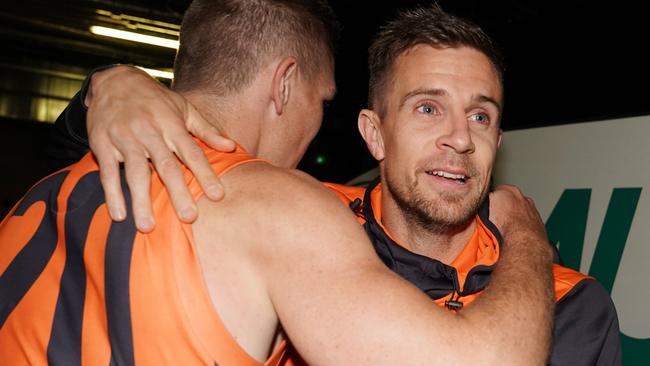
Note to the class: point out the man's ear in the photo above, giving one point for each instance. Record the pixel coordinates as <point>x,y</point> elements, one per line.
<point>369,123</point>
<point>282,78</point>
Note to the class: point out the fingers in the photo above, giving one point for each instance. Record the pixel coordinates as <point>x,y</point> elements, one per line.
<point>169,170</point>
<point>510,210</point>
<point>194,158</point>
<point>138,174</point>
<point>516,193</point>
<point>506,206</point>
<point>132,118</point>
<point>109,175</point>
<point>509,188</point>
<point>206,132</point>
<point>138,177</point>
<point>216,141</point>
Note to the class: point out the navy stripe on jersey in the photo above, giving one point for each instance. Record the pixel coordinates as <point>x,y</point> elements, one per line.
<point>25,268</point>
<point>65,340</point>
<point>117,271</point>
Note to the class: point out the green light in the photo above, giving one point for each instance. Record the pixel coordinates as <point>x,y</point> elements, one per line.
<point>321,159</point>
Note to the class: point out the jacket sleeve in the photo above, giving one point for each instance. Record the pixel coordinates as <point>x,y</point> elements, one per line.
<point>586,328</point>
<point>69,138</point>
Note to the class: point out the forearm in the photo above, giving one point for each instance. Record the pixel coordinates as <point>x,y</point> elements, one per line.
<point>366,314</point>
<point>69,140</point>
<point>516,310</point>
<point>393,323</point>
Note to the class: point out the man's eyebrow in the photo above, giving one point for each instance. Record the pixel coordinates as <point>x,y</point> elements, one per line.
<point>485,99</point>
<point>428,92</point>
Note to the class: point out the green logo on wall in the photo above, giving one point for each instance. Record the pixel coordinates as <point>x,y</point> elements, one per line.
<point>567,224</point>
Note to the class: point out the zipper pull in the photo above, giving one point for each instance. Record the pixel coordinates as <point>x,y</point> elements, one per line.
<point>454,305</point>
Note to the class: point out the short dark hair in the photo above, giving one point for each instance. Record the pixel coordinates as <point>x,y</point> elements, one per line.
<point>223,43</point>
<point>428,25</point>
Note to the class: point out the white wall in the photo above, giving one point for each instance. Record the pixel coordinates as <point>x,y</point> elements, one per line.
<point>600,156</point>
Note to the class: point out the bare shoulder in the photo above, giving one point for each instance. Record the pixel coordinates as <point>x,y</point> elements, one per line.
<point>277,190</point>
<point>287,207</point>
<point>267,176</point>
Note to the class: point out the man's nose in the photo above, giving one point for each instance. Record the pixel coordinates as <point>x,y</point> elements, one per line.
<point>457,136</point>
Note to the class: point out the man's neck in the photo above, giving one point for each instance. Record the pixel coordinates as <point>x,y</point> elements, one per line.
<point>229,118</point>
<point>443,245</point>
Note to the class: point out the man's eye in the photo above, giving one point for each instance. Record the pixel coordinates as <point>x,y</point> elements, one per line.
<point>427,108</point>
<point>480,118</point>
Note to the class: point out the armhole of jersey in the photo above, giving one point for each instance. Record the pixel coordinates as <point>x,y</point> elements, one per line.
<point>228,351</point>
<point>242,162</point>
<point>278,357</point>
<point>221,163</point>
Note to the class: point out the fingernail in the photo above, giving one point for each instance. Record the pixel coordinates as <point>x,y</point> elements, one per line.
<point>145,224</point>
<point>188,213</point>
<point>117,214</point>
<point>214,191</point>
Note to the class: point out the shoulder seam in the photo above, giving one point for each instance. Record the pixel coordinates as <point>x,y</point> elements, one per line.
<point>574,286</point>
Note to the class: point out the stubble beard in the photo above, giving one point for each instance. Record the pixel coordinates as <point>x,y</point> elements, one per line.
<point>448,213</point>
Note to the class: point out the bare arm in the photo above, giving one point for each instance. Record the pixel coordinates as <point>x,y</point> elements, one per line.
<point>132,118</point>
<point>525,239</point>
<point>340,305</point>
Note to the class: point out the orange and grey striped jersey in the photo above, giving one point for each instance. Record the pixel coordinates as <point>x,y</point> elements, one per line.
<point>79,289</point>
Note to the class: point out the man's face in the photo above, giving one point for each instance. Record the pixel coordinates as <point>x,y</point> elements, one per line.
<point>440,134</point>
<point>306,111</point>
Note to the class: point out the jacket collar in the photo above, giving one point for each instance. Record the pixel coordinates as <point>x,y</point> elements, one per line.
<point>469,273</point>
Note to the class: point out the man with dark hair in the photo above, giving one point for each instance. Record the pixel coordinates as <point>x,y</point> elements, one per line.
<point>435,134</point>
<point>435,101</point>
<point>77,288</point>
<point>410,30</point>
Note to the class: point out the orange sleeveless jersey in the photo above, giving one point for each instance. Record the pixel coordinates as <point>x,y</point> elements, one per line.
<point>79,289</point>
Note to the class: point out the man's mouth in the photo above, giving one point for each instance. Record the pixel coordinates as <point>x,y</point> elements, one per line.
<point>459,178</point>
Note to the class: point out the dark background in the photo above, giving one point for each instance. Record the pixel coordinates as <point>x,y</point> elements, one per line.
<point>566,61</point>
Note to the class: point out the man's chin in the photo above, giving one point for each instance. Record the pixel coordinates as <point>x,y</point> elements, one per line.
<point>454,210</point>
<point>453,198</point>
<point>454,218</point>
